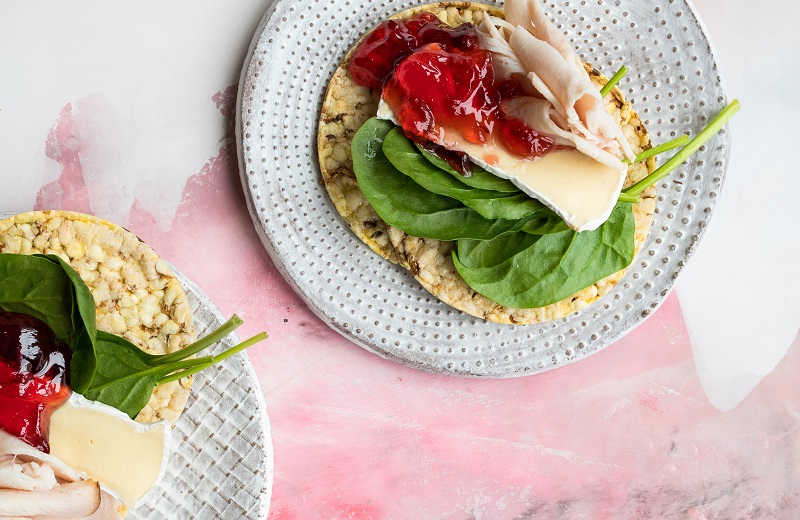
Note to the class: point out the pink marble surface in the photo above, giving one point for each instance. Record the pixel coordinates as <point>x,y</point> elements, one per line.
<point>626,433</point>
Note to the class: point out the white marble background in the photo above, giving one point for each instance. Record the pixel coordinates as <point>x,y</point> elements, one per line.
<point>136,77</point>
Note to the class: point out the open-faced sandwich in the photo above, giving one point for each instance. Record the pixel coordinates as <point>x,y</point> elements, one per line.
<point>95,330</point>
<point>471,146</point>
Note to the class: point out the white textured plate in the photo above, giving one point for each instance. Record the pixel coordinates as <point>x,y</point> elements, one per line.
<point>221,461</point>
<point>674,84</point>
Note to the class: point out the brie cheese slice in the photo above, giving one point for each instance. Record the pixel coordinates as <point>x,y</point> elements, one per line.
<point>104,444</point>
<point>576,187</point>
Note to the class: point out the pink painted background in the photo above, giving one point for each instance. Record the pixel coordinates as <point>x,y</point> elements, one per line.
<point>626,433</point>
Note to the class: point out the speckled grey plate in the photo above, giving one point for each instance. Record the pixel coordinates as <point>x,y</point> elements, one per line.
<point>221,460</point>
<point>674,84</point>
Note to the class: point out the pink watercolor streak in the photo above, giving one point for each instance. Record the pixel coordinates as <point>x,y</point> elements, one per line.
<point>63,146</point>
<point>587,449</point>
<point>625,433</point>
<point>213,241</point>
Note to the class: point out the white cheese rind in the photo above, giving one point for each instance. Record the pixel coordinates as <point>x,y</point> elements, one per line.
<point>102,443</point>
<point>386,112</point>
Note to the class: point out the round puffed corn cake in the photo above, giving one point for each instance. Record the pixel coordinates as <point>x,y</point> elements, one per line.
<point>347,106</point>
<point>136,294</point>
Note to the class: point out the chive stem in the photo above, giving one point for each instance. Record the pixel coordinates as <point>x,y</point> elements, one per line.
<point>157,371</point>
<point>213,360</point>
<point>663,147</point>
<point>614,80</point>
<point>705,134</point>
<point>201,344</point>
<point>624,197</point>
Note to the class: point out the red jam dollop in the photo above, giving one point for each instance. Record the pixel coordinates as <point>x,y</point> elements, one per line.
<point>435,88</point>
<point>393,40</point>
<point>438,79</point>
<point>33,377</point>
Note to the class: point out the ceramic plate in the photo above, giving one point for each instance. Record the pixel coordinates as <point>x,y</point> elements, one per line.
<point>221,462</point>
<point>674,84</point>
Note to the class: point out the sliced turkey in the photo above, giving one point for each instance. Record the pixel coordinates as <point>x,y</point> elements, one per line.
<point>530,16</point>
<point>528,40</point>
<point>493,37</point>
<point>25,476</point>
<point>10,445</point>
<point>540,114</point>
<point>36,485</point>
<point>71,500</point>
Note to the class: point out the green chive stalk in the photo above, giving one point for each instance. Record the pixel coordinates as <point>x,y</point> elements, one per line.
<point>203,343</point>
<point>699,140</point>
<point>614,80</point>
<point>664,147</point>
<point>207,361</point>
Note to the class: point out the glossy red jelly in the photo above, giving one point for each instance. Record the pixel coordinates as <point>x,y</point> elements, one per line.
<point>33,377</point>
<point>376,57</point>
<point>437,78</point>
<point>435,89</point>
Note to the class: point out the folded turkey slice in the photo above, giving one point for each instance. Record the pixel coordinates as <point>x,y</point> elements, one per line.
<point>16,451</point>
<point>36,485</point>
<point>558,74</point>
<point>25,476</point>
<point>529,15</point>
<point>70,500</point>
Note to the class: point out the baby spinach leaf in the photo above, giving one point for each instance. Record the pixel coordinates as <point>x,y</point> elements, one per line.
<point>123,378</point>
<point>46,287</point>
<point>408,158</point>
<point>404,156</point>
<point>84,360</point>
<point>545,222</point>
<point>126,375</point>
<point>491,253</point>
<point>526,271</point>
<point>480,178</point>
<point>35,286</point>
<point>404,204</point>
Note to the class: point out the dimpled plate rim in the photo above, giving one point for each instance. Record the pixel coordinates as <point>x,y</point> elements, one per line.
<point>191,489</point>
<point>182,492</point>
<point>379,306</point>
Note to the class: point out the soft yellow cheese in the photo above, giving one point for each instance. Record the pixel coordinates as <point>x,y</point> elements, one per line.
<point>126,457</point>
<point>580,189</point>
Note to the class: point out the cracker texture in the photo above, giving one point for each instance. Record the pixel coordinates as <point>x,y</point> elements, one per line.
<point>347,106</point>
<point>136,294</point>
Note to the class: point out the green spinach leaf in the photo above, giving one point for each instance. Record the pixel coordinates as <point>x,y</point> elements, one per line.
<point>404,156</point>
<point>526,271</point>
<point>404,204</point>
<point>544,223</point>
<point>35,286</point>
<point>123,378</point>
<point>491,253</point>
<point>84,331</point>
<point>126,375</point>
<point>45,287</point>
<point>480,178</point>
